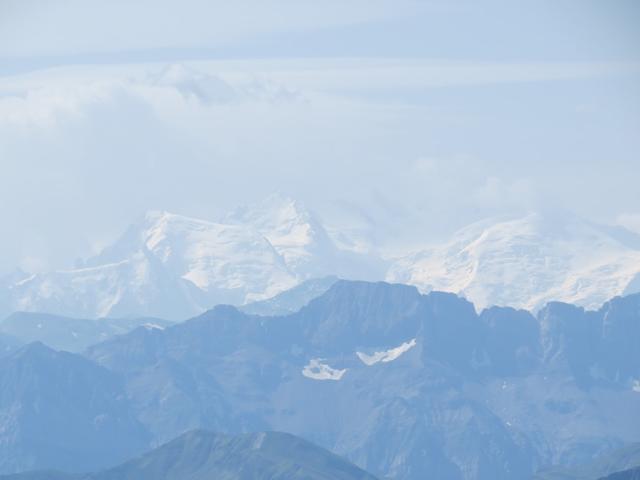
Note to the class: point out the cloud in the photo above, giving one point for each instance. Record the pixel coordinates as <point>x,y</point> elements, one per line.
<point>369,75</point>
<point>496,193</point>
<point>212,89</point>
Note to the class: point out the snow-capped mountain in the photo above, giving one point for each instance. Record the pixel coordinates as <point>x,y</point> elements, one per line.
<point>526,262</point>
<point>292,230</point>
<point>134,285</point>
<point>228,263</point>
<point>172,266</point>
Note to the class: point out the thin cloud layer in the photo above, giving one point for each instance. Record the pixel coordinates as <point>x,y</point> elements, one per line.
<point>34,27</point>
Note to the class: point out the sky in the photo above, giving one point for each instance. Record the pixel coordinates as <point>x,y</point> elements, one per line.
<point>411,118</point>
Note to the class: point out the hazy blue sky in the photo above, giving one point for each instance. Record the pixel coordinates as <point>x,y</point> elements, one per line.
<point>411,117</point>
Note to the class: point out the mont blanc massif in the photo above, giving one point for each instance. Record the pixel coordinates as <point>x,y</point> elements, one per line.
<point>267,345</point>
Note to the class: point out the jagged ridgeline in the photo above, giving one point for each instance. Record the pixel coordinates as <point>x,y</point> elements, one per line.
<point>401,384</point>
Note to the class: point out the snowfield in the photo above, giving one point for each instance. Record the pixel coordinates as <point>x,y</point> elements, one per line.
<point>386,355</point>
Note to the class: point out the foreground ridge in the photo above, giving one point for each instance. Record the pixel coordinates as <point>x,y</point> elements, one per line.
<point>203,455</point>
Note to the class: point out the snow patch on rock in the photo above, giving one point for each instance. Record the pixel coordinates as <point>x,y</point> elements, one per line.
<point>386,355</point>
<point>317,370</point>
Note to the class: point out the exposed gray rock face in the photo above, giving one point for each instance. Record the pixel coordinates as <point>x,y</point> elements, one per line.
<point>403,384</point>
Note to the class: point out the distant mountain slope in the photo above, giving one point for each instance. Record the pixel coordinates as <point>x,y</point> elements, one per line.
<point>201,455</point>
<point>59,410</point>
<point>69,334</point>
<point>527,262</point>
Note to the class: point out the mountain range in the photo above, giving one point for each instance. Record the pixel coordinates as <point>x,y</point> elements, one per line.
<point>404,385</point>
<point>174,267</point>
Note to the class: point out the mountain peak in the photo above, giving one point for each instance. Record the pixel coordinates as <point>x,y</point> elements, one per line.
<point>294,231</point>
